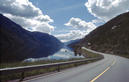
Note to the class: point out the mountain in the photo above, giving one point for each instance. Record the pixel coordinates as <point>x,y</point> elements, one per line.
<point>112,37</point>
<point>71,42</point>
<point>67,44</point>
<point>17,44</point>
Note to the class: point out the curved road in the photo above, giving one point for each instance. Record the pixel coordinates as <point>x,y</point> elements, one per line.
<point>110,69</point>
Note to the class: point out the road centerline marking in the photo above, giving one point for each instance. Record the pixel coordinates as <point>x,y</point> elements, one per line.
<point>103,72</point>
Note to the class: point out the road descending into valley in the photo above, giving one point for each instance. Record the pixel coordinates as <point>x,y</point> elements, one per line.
<point>110,69</point>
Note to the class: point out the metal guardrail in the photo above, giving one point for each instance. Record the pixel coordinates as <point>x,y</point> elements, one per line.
<point>23,69</point>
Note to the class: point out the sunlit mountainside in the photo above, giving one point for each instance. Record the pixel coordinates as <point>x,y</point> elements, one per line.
<point>112,37</point>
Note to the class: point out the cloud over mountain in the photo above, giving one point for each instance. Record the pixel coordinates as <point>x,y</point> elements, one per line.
<point>107,9</point>
<point>81,28</point>
<point>72,35</point>
<point>26,14</point>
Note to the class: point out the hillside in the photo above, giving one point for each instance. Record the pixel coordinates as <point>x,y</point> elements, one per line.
<point>112,37</point>
<point>17,44</point>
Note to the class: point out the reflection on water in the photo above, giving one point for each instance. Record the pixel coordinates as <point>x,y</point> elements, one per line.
<point>64,53</point>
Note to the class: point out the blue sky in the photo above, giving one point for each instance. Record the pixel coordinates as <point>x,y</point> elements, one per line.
<point>65,19</point>
<point>62,10</point>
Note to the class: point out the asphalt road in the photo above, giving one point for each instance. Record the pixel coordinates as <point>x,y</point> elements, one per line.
<point>110,69</point>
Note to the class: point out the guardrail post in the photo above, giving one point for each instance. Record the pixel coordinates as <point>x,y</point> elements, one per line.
<point>22,76</point>
<point>58,68</point>
<point>75,64</point>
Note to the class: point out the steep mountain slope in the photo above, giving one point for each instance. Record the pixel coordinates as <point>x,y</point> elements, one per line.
<point>17,44</point>
<point>112,37</point>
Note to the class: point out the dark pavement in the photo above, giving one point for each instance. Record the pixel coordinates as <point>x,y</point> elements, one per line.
<point>110,69</point>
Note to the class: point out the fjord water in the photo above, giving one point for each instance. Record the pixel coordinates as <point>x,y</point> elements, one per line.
<point>63,53</point>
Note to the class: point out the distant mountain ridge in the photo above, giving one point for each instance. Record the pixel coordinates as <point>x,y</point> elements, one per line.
<point>17,44</point>
<point>112,37</point>
<point>71,42</point>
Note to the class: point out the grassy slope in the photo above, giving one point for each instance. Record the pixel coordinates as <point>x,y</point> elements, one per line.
<point>17,64</point>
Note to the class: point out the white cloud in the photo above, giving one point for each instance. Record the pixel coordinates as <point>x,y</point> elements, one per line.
<point>82,28</point>
<point>97,21</point>
<point>107,9</point>
<point>23,12</point>
<point>72,35</point>
<point>80,24</point>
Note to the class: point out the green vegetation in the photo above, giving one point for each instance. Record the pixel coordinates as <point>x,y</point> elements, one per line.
<point>5,78</point>
<point>88,54</point>
<point>17,64</point>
